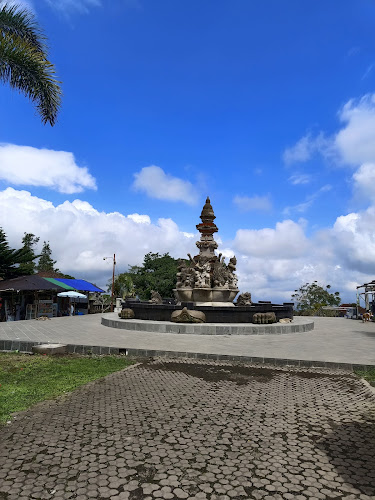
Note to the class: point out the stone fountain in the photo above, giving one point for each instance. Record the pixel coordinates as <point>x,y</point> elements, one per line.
<point>205,290</point>
<point>207,280</point>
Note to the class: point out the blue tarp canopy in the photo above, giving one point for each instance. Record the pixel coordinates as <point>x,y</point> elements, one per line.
<point>82,285</point>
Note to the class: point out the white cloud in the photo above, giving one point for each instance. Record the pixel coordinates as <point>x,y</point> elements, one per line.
<point>306,148</point>
<point>275,262</point>
<point>352,146</point>
<point>287,240</point>
<point>89,235</point>
<point>297,179</point>
<point>300,152</point>
<point>271,262</point>
<point>78,5</point>
<point>28,166</point>
<point>309,201</point>
<point>157,184</point>
<point>64,6</point>
<point>84,6</point>
<point>354,240</point>
<point>364,181</point>
<point>355,142</point>
<point>247,204</point>
<point>24,4</point>
<point>368,71</point>
<point>139,219</point>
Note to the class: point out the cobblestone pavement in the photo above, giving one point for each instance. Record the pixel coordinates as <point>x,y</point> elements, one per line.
<point>178,429</point>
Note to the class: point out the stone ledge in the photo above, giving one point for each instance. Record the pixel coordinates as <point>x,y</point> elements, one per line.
<point>298,325</point>
<point>50,349</point>
<point>147,353</point>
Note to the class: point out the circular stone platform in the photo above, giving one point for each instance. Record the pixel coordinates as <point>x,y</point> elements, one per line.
<point>298,325</point>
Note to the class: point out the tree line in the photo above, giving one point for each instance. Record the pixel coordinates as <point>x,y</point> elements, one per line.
<point>24,261</point>
<point>310,298</point>
<point>158,272</point>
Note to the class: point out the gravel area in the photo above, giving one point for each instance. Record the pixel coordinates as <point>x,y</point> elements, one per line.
<point>174,429</point>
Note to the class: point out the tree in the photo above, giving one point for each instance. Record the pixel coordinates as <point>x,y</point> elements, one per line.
<point>311,297</point>
<point>158,273</point>
<point>46,263</point>
<point>123,286</point>
<point>29,240</point>
<point>23,61</point>
<point>11,260</point>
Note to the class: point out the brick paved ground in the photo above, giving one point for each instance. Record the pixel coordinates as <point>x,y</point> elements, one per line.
<point>177,430</point>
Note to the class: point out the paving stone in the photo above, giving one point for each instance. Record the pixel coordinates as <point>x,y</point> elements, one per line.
<point>202,430</point>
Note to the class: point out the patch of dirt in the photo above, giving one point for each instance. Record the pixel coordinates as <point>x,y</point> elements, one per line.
<point>215,373</point>
<point>240,374</point>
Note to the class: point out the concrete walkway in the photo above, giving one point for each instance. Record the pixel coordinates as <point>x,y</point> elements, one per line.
<point>334,340</point>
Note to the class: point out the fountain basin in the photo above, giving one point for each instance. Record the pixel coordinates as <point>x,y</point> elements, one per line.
<point>207,296</point>
<point>214,314</point>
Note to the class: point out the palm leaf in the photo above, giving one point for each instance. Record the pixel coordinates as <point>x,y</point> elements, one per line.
<point>21,23</point>
<point>28,71</point>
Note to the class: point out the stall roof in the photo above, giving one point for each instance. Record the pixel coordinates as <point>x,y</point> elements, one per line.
<point>59,283</point>
<point>82,285</point>
<point>31,282</point>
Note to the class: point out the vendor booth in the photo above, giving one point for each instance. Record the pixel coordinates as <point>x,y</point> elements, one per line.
<point>31,297</point>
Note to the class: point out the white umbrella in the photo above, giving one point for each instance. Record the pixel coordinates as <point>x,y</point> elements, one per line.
<point>72,295</point>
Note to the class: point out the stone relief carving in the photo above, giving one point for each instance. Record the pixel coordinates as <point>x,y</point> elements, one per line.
<point>186,316</point>
<point>264,318</point>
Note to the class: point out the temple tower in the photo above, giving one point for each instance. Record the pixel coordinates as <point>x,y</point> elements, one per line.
<point>207,279</point>
<point>207,245</point>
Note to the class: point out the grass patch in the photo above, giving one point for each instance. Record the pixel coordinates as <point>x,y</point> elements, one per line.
<point>26,380</point>
<point>368,375</point>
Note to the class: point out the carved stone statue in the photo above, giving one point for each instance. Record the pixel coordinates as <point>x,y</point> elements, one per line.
<point>220,274</point>
<point>232,278</point>
<point>202,275</point>
<point>126,313</point>
<point>244,299</point>
<point>207,279</point>
<point>185,275</point>
<point>155,298</point>
<point>285,320</point>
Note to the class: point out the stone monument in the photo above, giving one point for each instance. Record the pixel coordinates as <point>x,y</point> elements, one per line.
<point>207,280</point>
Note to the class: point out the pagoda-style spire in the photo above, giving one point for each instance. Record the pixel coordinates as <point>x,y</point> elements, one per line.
<point>207,211</point>
<point>207,228</point>
<point>207,280</point>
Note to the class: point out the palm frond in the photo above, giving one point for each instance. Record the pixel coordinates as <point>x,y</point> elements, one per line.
<point>21,23</point>
<point>28,71</point>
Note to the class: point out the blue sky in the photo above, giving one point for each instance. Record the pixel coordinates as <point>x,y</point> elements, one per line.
<point>268,107</point>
